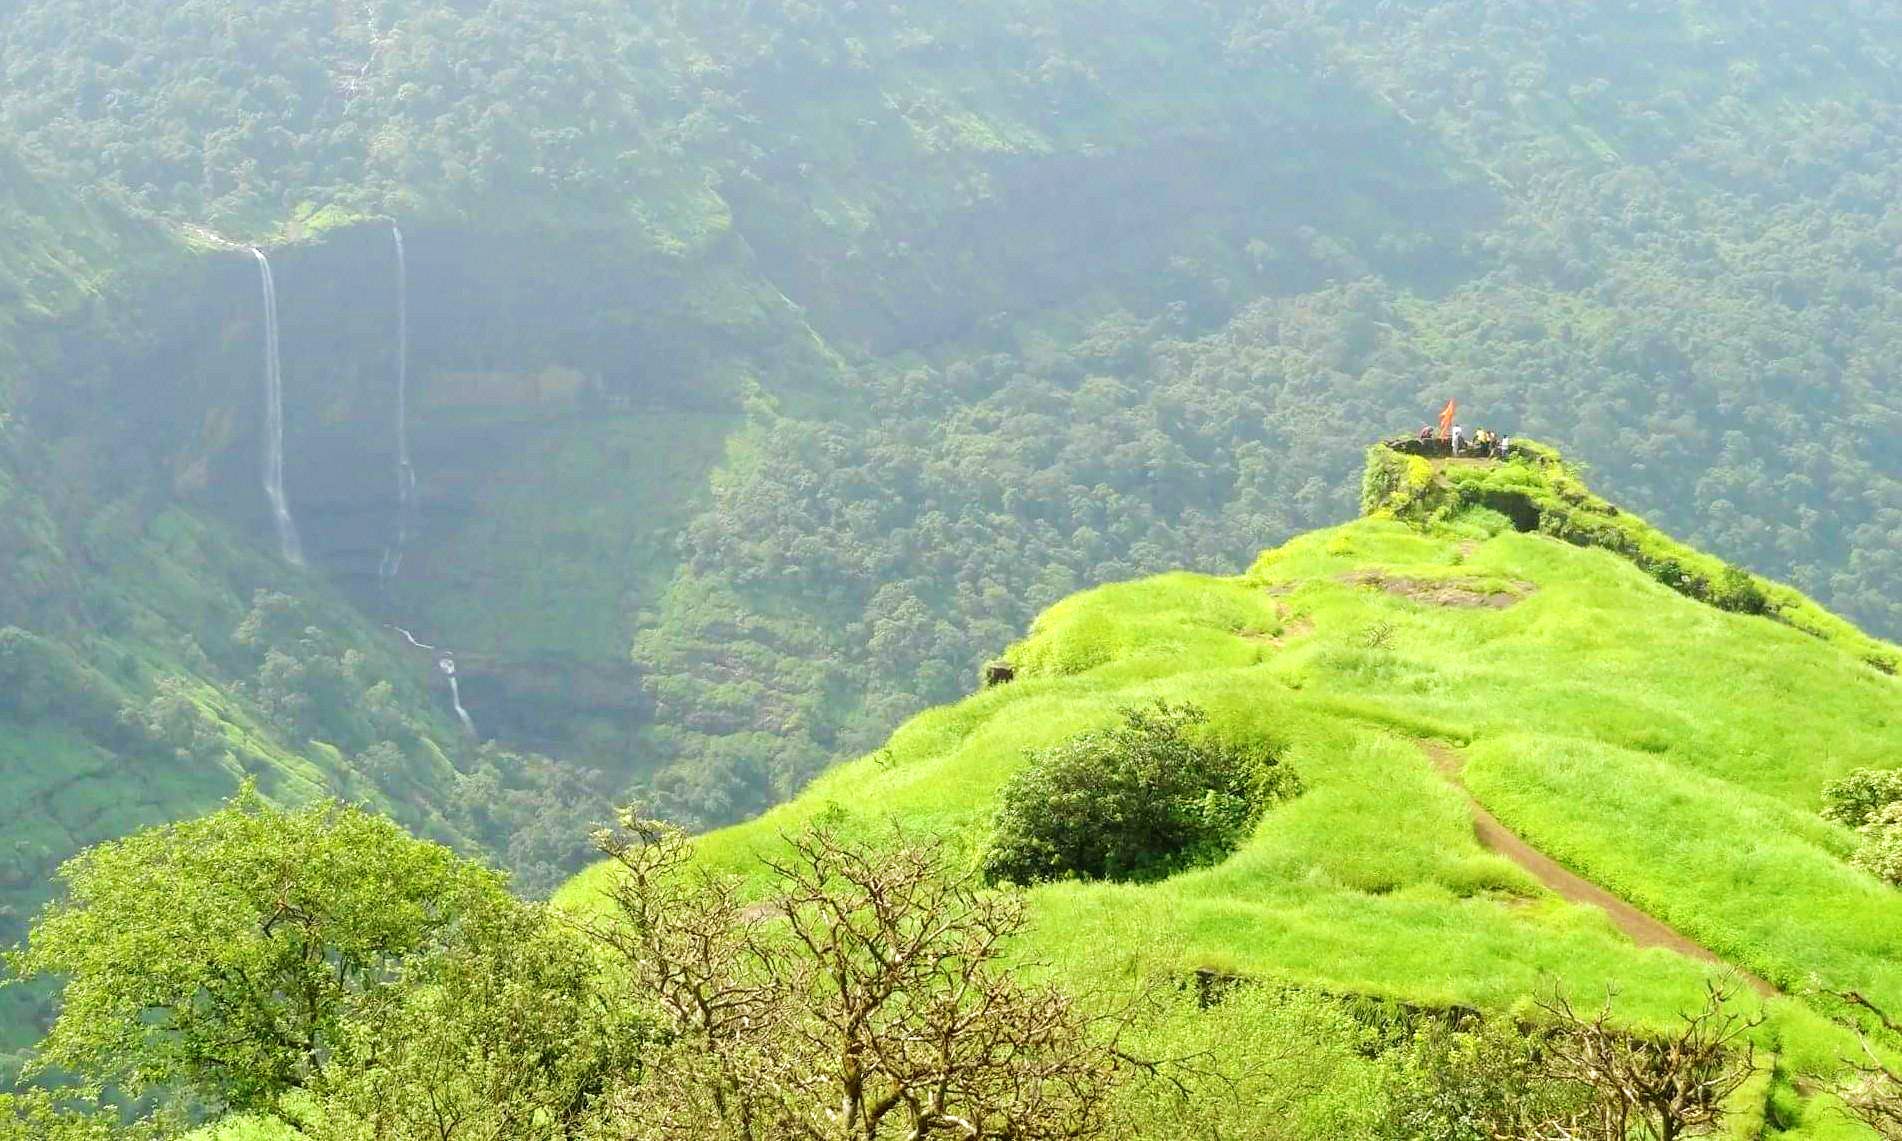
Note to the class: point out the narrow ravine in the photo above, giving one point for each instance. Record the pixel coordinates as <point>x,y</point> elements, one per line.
<point>1643,929</point>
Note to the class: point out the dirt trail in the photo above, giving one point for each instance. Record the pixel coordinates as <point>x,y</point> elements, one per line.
<point>1643,929</point>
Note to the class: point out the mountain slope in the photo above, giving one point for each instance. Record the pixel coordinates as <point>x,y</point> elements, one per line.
<point>152,655</point>
<point>973,305</point>
<point>775,362</point>
<point>1670,751</point>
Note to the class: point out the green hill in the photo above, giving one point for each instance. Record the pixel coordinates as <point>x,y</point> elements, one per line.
<point>896,324</point>
<point>773,364</point>
<point>1664,748</point>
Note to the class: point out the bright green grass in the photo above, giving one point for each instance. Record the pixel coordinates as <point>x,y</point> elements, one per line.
<point>1672,751</point>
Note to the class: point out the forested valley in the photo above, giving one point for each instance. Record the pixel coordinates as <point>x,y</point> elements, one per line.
<point>771,364</point>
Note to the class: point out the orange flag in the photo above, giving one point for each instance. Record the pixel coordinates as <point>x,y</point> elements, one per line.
<point>1446,418</point>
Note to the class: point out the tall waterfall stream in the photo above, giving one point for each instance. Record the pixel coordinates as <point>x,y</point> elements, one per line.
<point>446,663</point>
<point>287,542</point>
<point>392,563</point>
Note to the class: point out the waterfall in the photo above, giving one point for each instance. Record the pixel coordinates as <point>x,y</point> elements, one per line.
<point>447,665</point>
<point>411,638</point>
<point>406,482</point>
<point>446,662</point>
<point>405,472</point>
<point>287,543</point>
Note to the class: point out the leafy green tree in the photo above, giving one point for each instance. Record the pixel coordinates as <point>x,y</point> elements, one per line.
<point>226,956</point>
<point>507,1034</point>
<point>1139,800</point>
<point>1857,798</point>
<point>36,1115</point>
<point>1870,801</point>
<point>1881,850</point>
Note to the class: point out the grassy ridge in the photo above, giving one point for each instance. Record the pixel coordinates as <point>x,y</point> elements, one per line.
<point>1671,750</point>
<point>1540,491</point>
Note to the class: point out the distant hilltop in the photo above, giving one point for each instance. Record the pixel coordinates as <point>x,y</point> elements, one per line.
<point>1420,482</point>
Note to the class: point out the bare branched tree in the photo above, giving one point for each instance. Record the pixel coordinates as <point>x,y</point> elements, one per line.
<point>866,1001</point>
<point>1659,1088</point>
<point>1874,1095</point>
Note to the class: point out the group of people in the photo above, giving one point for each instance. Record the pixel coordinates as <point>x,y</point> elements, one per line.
<point>1484,442</point>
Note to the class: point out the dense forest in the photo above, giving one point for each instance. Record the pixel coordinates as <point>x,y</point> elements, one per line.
<point>888,324</point>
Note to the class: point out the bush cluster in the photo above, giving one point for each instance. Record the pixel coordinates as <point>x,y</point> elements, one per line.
<point>1870,801</point>
<point>1140,800</point>
<point>1396,482</point>
<point>1859,797</point>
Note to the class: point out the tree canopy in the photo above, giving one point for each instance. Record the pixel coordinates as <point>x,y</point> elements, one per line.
<point>227,954</point>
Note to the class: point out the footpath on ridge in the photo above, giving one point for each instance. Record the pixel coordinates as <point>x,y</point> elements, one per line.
<point>1643,929</point>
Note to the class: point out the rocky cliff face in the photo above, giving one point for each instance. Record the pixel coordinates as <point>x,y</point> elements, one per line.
<point>566,402</point>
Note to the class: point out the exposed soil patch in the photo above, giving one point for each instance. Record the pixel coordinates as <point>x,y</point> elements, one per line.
<point>1294,629</point>
<point>1642,929</point>
<point>1469,593</point>
<point>1290,628</point>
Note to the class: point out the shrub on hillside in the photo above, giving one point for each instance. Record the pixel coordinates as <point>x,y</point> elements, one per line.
<point>1737,590</point>
<point>1858,798</point>
<point>1870,801</point>
<point>1142,799</point>
<point>1448,1083</point>
<point>1398,483</point>
<point>1881,851</point>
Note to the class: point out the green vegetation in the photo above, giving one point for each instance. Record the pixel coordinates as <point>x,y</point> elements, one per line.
<point>231,954</point>
<point>775,363</point>
<point>871,995</point>
<point>1141,800</point>
<point>1357,964</point>
<point>315,973</point>
<point>507,1032</point>
<point>38,1116</point>
<point>1666,748</point>
<point>1859,798</point>
<point>970,306</point>
<point>1538,491</point>
<point>151,657</point>
<point>1870,801</point>
<point>1881,851</point>
<point>525,581</point>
